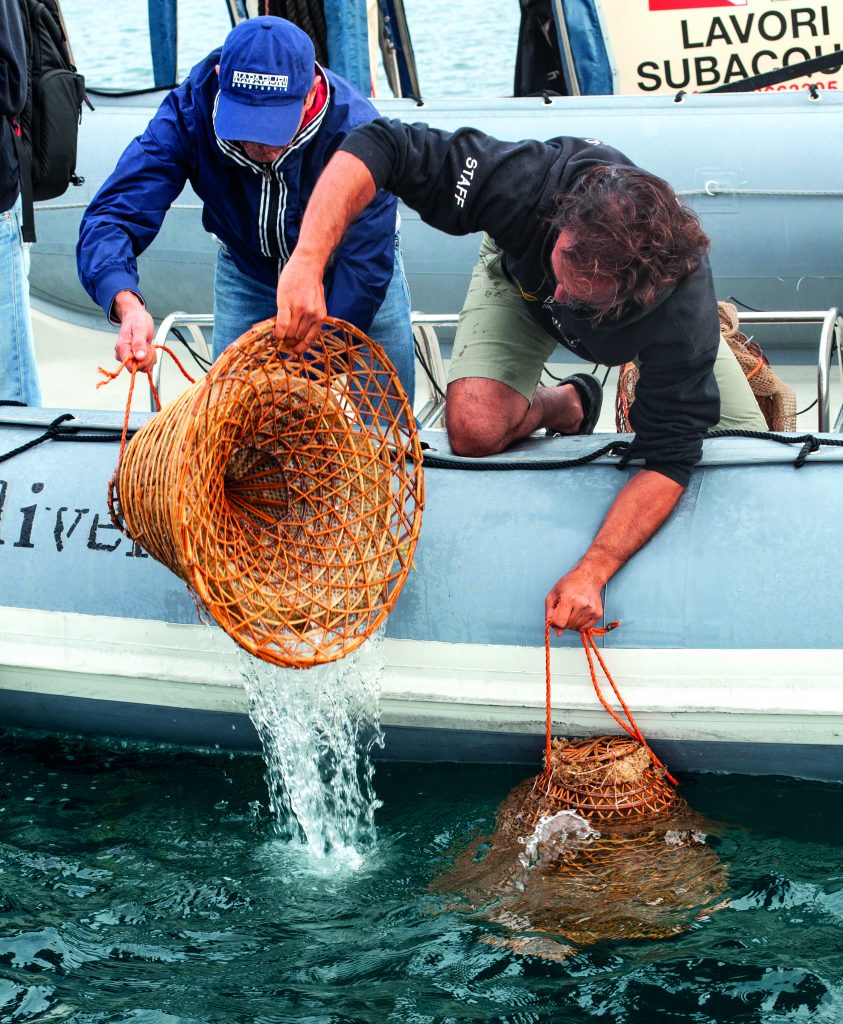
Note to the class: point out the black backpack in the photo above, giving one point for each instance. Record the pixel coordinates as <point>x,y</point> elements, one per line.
<point>49,122</point>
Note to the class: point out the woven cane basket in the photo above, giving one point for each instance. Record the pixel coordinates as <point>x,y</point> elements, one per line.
<point>285,490</point>
<point>608,778</point>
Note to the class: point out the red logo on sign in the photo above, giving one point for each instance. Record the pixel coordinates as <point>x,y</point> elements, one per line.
<point>690,5</point>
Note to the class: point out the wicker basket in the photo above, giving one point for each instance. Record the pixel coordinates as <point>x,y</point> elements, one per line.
<point>286,491</point>
<point>631,862</point>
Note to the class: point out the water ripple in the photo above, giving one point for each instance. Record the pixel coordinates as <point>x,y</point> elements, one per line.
<point>159,906</point>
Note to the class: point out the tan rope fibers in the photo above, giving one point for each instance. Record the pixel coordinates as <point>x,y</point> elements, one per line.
<point>776,399</point>
<point>285,490</point>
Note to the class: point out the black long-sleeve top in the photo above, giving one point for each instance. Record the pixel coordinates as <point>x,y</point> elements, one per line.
<point>12,97</point>
<point>467,181</point>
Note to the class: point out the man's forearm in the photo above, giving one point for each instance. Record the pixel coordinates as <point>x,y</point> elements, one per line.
<point>125,301</point>
<point>343,190</point>
<point>639,509</point>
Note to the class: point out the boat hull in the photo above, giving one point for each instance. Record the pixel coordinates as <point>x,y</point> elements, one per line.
<point>771,712</point>
<point>729,649</point>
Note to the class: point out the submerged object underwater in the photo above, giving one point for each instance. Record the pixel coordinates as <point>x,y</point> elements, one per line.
<point>601,847</point>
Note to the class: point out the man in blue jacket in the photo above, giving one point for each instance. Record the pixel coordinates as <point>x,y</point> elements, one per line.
<point>18,372</point>
<point>251,129</point>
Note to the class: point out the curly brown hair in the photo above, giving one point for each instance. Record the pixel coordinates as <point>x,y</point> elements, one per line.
<point>629,225</point>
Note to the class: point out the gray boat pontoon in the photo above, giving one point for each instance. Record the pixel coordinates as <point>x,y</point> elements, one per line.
<point>730,649</point>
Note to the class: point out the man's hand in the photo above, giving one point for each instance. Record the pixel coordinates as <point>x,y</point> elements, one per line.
<point>344,189</point>
<point>301,304</point>
<point>136,332</point>
<point>574,602</point>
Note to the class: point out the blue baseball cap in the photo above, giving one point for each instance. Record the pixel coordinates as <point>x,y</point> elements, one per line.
<point>267,67</point>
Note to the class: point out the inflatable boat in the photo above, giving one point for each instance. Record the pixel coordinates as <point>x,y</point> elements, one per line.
<point>729,648</point>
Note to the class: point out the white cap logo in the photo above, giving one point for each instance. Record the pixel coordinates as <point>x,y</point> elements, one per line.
<point>257,80</point>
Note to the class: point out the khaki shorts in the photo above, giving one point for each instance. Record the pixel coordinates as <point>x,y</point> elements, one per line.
<point>498,339</point>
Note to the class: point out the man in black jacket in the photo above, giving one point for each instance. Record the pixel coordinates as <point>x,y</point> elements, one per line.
<point>582,249</point>
<point>18,372</point>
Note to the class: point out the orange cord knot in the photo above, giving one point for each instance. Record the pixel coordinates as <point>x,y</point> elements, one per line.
<point>110,375</point>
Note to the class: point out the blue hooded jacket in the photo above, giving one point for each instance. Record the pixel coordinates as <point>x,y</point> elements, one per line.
<point>254,209</point>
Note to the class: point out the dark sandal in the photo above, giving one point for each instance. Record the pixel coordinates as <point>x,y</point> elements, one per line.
<point>590,391</point>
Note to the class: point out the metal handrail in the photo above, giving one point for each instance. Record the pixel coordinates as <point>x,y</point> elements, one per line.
<point>193,322</point>
<point>436,319</point>
<point>425,337</point>
<point>831,331</point>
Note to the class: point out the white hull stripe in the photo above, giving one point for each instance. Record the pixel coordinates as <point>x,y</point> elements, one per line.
<point>745,696</point>
<point>263,216</point>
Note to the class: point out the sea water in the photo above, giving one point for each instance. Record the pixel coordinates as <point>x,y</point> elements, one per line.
<point>146,885</point>
<point>463,48</point>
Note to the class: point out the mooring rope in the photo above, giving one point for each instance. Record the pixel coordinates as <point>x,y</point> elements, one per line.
<point>52,431</point>
<point>623,449</point>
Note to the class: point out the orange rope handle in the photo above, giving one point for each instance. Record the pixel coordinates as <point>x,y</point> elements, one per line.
<point>110,375</point>
<point>589,646</point>
<point>547,718</point>
<point>630,727</point>
<point>755,368</point>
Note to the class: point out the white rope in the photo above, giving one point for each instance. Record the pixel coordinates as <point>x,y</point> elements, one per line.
<point>714,188</point>
<point>43,207</point>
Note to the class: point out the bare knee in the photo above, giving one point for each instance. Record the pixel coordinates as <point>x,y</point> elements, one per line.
<point>481,416</point>
<point>472,439</point>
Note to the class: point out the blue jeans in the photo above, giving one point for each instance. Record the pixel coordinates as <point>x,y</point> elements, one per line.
<point>240,302</point>
<point>18,371</point>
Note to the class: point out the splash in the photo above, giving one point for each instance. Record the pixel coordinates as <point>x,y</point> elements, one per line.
<point>318,728</point>
<point>562,824</point>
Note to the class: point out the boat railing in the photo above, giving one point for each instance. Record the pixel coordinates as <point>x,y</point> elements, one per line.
<point>831,340</point>
<point>193,323</point>
<point>429,355</point>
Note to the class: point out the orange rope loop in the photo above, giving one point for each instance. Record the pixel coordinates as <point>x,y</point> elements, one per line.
<point>629,726</point>
<point>759,364</point>
<point>110,375</point>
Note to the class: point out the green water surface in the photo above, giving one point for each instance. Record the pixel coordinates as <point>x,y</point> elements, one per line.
<point>145,885</point>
